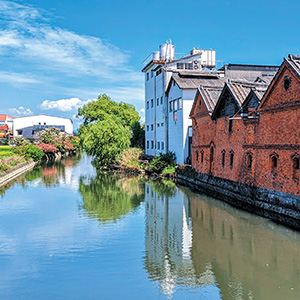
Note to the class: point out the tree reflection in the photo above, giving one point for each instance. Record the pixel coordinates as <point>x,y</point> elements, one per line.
<point>108,197</point>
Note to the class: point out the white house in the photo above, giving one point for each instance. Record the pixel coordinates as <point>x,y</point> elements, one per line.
<point>30,125</point>
<point>158,68</point>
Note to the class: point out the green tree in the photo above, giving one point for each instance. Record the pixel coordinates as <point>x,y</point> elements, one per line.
<point>138,135</point>
<point>105,140</point>
<point>105,107</point>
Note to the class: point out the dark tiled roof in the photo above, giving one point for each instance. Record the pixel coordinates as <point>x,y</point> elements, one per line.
<point>195,82</point>
<point>210,95</point>
<point>294,62</point>
<point>241,90</point>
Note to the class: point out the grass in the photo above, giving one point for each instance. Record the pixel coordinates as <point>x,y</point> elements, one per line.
<point>130,159</point>
<point>5,151</point>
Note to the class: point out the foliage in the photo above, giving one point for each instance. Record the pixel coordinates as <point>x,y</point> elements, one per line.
<point>47,148</point>
<point>75,141</point>
<point>130,158</point>
<point>105,140</point>
<point>104,107</point>
<point>162,161</point>
<point>108,198</point>
<point>49,136</point>
<point>138,135</point>
<point>19,141</point>
<point>6,163</point>
<point>34,152</point>
<point>168,170</point>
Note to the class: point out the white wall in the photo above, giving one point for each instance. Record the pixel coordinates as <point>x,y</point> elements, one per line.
<point>22,122</point>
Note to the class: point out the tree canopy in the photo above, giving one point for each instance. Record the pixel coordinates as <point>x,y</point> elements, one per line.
<point>105,107</point>
<point>108,129</point>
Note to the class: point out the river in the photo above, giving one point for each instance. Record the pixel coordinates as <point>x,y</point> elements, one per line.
<point>67,232</point>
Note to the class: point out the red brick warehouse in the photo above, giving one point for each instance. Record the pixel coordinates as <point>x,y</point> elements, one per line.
<point>249,132</point>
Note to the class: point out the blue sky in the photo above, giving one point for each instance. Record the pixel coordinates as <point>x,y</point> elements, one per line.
<point>56,55</point>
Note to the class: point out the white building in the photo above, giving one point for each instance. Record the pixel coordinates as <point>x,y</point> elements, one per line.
<point>30,125</point>
<point>180,94</point>
<point>159,68</point>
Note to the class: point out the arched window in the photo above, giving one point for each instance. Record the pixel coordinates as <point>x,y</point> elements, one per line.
<point>202,157</point>
<point>231,158</point>
<point>197,156</point>
<point>249,161</point>
<point>296,165</point>
<point>223,158</point>
<point>274,163</point>
<point>212,154</point>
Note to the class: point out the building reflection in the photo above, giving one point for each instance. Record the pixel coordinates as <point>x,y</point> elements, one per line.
<point>196,241</point>
<point>168,239</point>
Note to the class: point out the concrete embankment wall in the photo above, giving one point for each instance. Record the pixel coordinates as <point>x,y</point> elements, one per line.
<point>16,173</point>
<point>280,207</point>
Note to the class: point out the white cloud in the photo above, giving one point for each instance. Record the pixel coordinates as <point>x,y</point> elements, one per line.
<point>30,37</point>
<point>21,111</point>
<point>64,104</point>
<point>17,78</point>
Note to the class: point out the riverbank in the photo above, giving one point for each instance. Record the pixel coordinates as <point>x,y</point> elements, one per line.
<point>279,207</point>
<point>17,171</point>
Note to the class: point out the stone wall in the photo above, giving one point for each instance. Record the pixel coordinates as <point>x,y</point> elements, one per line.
<point>280,207</point>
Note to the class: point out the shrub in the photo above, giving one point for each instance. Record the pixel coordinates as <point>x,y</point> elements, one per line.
<point>162,161</point>
<point>130,158</point>
<point>168,170</point>
<point>34,152</point>
<point>47,148</point>
<point>4,167</point>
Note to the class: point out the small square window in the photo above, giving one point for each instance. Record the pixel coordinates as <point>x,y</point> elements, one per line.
<point>162,145</point>
<point>147,144</point>
<point>152,144</point>
<point>147,127</point>
<point>158,145</point>
<point>161,100</point>
<point>151,127</point>
<point>157,124</point>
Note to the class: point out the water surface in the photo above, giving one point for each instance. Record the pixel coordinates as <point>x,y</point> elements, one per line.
<point>69,233</point>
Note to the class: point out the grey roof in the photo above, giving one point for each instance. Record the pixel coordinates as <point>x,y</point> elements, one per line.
<point>210,95</point>
<point>294,62</point>
<point>241,90</point>
<point>195,82</point>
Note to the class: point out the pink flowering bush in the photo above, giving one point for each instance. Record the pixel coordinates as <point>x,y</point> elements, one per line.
<point>68,145</point>
<point>47,148</point>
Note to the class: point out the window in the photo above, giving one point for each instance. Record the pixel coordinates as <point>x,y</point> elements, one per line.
<point>39,123</point>
<point>180,66</point>
<point>175,105</point>
<point>151,73</point>
<point>287,82</point>
<point>44,123</point>
<point>158,145</point>
<point>212,154</point>
<point>274,162</point>
<point>158,72</point>
<point>223,158</point>
<point>188,66</point>
<point>147,104</point>
<point>20,132</point>
<point>197,156</point>
<point>147,144</point>
<point>249,161</point>
<point>162,124</point>
<point>202,157</point>
<point>147,127</point>
<point>161,100</point>
<point>151,102</point>
<point>151,127</point>
<point>152,144</point>
<point>296,166</point>
<point>157,124</point>
<point>147,76</point>
<point>230,125</point>
<point>179,103</point>
<point>231,158</point>
<point>162,145</point>
<point>157,101</point>
<point>171,106</point>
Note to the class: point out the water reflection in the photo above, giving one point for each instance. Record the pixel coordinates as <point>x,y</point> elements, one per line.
<point>193,240</point>
<point>109,197</point>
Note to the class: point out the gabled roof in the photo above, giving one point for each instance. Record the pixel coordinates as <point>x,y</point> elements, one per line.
<point>293,63</point>
<point>240,91</point>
